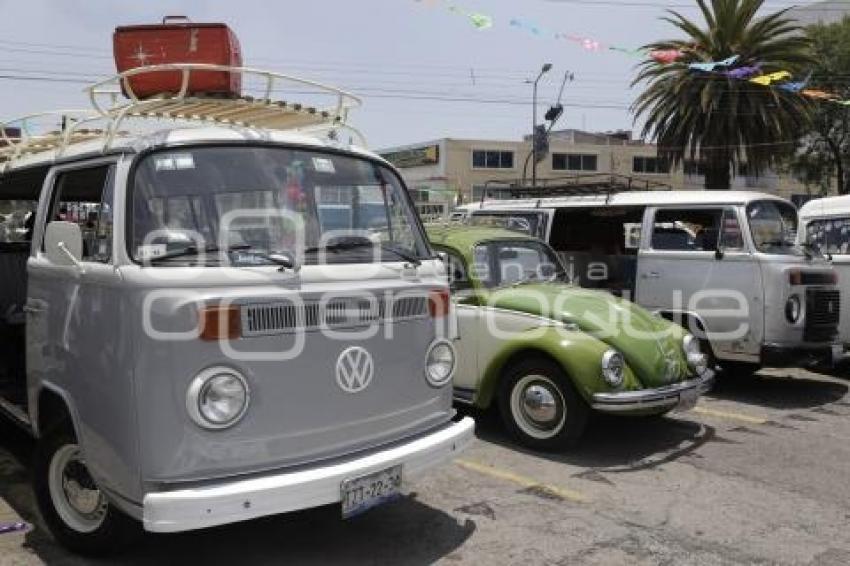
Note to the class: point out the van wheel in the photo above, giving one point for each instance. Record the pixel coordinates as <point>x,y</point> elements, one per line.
<point>540,406</point>
<point>76,511</point>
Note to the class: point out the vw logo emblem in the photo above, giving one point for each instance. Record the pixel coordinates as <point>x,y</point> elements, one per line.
<point>354,369</point>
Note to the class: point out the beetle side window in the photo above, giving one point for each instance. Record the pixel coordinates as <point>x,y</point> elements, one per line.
<point>85,196</point>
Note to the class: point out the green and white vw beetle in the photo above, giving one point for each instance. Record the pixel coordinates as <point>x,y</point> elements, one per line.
<point>548,353</point>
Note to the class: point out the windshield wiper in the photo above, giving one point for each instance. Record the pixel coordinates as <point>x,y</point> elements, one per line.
<point>364,243</point>
<point>278,258</point>
<point>193,251</point>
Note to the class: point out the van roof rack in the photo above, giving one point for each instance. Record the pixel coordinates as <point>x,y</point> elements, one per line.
<point>588,185</point>
<point>113,102</point>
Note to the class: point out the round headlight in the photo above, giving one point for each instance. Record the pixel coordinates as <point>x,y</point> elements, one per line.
<point>793,309</point>
<point>697,360</point>
<point>217,398</point>
<point>440,363</point>
<point>613,368</point>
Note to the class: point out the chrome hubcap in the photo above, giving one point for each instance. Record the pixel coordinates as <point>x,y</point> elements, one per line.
<point>538,406</point>
<point>76,498</point>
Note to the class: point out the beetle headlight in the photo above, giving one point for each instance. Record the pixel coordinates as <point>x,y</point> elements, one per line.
<point>793,309</point>
<point>697,360</point>
<point>217,398</point>
<point>440,363</point>
<point>613,368</point>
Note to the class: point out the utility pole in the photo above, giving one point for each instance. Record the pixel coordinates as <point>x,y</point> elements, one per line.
<point>546,68</point>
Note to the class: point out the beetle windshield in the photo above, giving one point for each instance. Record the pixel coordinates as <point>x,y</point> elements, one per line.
<point>516,262</point>
<point>774,227</point>
<point>254,205</point>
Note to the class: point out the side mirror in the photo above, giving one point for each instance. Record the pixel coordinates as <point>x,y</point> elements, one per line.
<point>63,242</point>
<point>444,257</point>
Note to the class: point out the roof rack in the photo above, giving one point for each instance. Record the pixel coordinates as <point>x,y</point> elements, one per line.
<point>591,185</point>
<point>18,137</point>
<point>112,109</point>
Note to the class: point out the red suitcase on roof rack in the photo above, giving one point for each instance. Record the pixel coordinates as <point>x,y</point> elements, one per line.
<point>178,42</point>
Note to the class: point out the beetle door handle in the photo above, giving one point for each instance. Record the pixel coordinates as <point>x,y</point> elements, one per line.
<point>652,275</point>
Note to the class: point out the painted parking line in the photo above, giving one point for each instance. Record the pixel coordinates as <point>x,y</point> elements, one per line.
<point>567,494</point>
<point>729,415</point>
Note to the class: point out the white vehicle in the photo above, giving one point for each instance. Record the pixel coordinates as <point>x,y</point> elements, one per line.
<point>825,226</point>
<point>724,264</point>
<point>218,321</point>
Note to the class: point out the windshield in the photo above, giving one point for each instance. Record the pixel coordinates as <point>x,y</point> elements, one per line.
<point>510,263</point>
<point>829,236</point>
<point>250,203</point>
<point>774,227</point>
<point>530,223</point>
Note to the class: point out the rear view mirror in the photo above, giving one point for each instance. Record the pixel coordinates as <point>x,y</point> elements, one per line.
<point>63,243</point>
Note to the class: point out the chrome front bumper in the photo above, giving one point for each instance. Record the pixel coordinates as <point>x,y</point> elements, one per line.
<point>243,499</point>
<point>661,398</point>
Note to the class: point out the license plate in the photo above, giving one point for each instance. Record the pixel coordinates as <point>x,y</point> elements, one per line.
<point>363,493</point>
<point>688,399</point>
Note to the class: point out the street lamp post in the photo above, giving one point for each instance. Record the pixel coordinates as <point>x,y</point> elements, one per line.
<point>543,71</point>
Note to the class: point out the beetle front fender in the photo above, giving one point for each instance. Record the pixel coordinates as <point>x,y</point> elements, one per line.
<point>579,355</point>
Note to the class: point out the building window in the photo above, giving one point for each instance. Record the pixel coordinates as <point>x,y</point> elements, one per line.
<point>650,165</point>
<point>574,162</point>
<point>491,159</point>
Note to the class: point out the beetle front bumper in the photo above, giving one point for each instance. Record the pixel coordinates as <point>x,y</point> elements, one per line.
<point>242,499</point>
<point>659,399</point>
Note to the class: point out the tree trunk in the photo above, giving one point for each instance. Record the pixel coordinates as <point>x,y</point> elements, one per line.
<point>838,159</point>
<point>718,176</point>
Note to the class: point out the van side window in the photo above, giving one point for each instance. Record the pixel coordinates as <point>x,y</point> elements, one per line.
<point>688,229</point>
<point>830,236</point>
<point>732,237</point>
<point>85,196</point>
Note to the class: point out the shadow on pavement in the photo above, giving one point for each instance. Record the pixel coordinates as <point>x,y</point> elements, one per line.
<point>779,390</point>
<point>401,532</point>
<point>614,444</point>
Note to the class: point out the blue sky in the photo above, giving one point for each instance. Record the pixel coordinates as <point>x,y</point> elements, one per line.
<point>386,50</point>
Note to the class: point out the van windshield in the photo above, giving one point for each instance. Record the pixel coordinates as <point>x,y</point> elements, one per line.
<point>774,227</point>
<point>252,204</point>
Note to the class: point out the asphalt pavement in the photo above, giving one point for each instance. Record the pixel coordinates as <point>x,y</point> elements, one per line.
<point>758,473</point>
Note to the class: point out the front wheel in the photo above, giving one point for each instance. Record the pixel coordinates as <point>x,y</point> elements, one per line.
<point>541,407</point>
<point>74,508</point>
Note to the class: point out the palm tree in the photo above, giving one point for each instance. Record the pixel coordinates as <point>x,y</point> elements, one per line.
<point>718,121</point>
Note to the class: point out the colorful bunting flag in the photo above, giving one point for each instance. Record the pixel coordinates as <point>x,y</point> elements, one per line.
<point>771,78</point>
<point>711,67</point>
<point>743,73</point>
<point>666,56</point>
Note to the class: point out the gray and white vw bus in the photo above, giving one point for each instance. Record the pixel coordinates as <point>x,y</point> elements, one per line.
<point>204,325</point>
<point>825,226</point>
<point>726,264</point>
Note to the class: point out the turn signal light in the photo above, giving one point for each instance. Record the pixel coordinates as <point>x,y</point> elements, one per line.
<point>795,277</point>
<point>438,303</point>
<point>220,323</point>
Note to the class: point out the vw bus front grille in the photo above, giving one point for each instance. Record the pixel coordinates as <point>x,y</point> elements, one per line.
<point>284,317</point>
<point>822,313</point>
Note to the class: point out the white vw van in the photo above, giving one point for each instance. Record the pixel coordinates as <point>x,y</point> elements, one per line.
<point>726,264</point>
<point>211,323</point>
<point>825,226</point>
